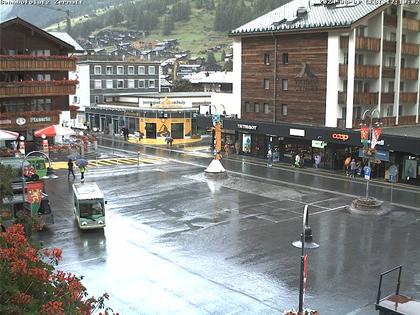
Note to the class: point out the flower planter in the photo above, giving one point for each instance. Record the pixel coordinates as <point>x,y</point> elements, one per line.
<point>305,312</point>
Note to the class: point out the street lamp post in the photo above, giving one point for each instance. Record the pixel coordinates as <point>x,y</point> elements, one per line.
<point>305,241</point>
<point>370,141</point>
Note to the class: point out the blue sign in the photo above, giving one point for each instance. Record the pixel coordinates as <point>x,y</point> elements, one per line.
<point>367,170</point>
<point>393,178</point>
<point>381,155</point>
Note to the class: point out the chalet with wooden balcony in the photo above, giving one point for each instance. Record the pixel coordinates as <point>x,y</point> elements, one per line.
<point>34,77</point>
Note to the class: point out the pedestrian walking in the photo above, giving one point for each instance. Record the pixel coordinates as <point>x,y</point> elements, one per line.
<point>237,147</point>
<point>270,158</point>
<point>317,160</point>
<point>227,149</point>
<point>347,162</point>
<point>353,168</point>
<point>297,160</point>
<point>70,166</point>
<point>82,170</point>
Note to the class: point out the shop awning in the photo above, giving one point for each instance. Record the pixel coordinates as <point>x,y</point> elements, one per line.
<point>8,135</point>
<point>54,130</point>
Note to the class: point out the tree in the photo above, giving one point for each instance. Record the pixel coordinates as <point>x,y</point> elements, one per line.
<point>7,174</point>
<point>211,63</point>
<point>182,85</point>
<point>168,25</point>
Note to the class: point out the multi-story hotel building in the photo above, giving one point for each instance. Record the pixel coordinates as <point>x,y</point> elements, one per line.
<point>309,70</point>
<point>102,77</point>
<point>34,81</point>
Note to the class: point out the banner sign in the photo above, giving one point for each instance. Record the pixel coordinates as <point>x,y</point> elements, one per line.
<point>34,195</point>
<point>376,133</point>
<point>364,134</point>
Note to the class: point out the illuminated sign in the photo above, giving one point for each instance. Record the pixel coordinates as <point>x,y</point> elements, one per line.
<point>248,127</point>
<point>340,136</point>
<point>297,132</point>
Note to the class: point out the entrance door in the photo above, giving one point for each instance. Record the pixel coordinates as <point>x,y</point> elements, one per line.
<point>150,131</point>
<point>177,131</point>
<point>102,124</point>
<point>116,126</point>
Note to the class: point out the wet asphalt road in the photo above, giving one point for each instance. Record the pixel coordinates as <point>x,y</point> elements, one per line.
<point>178,243</point>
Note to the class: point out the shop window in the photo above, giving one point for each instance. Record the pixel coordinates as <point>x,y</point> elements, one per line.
<point>284,109</point>
<point>120,84</point>
<point>120,70</point>
<point>108,70</point>
<point>246,143</point>
<point>131,70</point>
<point>285,84</point>
<point>97,70</point>
<point>130,84</point>
<point>266,59</point>
<point>285,58</point>
<point>142,70</point>
<point>109,84</point>
<point>257,107</point>
<point>98,84</point>
<point>266,84</point>
<point>266,108</point>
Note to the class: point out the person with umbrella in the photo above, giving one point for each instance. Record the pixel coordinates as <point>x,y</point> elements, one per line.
<point>70,168</point>
<point>82,163</point>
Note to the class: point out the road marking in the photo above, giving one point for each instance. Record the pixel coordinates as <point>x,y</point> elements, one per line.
<point>81,261</point>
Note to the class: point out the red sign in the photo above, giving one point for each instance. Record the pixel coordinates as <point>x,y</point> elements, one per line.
<point>34,194</point>
<point>340,136</point>
<point>364,133</point>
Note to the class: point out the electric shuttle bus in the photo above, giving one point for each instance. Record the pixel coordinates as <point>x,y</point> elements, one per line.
<point>89,206</point>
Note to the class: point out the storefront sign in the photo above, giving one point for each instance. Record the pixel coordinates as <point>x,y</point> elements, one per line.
<point>248,127</point>
<point>20,121</point>
<point>297,132</point>
<point>380,155</point>
<point>40,119</point>
<point>340,136</point>
<point>5,122</point>
<point>318,144</point>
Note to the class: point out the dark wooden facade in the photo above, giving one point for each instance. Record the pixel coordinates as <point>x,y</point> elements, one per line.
<point>34,84</point>
<point>305,96</point>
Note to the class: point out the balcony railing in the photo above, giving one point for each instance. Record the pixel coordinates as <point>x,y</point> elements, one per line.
<point>364,43</point>
<point>385,121</point>
<point>409,73</point>
<point>411,24</point>
<point>390,20</point>
<point>408,97</point>
<point>410,49</point>
<point>37,88</point>
<point>390,46</point>
<point>37,63</point>
<point>361,71</point>
<point>361,98</point>
<point>388,72</point>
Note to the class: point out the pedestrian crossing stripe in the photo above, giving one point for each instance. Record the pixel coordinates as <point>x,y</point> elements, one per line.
<point>111,161</point>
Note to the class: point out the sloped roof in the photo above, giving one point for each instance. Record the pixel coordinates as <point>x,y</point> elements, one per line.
<point>18,20</point>
<point>318,16</point>
<point>65,37</point>
<point>210,77</point>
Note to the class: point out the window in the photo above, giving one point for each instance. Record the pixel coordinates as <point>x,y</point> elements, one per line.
<point>142,70</point>
<point>266,59</point>
<point>247,107</point>
<point>97,70</point>
<point>47,52</point>
<point>257,107</point>
<point>152,70</point>
<point>361,31</point>
<point>400,110</point>
<point>402,63</point>
<point>151,84</point>
<point>109,70</point>
<point>391,86</point>
<point>284,109</point>
<point>74,99</point>
<point>285,84</point>
<point>357,112</point>
<point>120,84</point>
<point>120,70</point>
<point>404,38</point>
<point>344,85</point>
<point>109,84</point>
<point>141,83</point>
<point>266,84</point>
<point>360,59</point>
<point>131,70</point>
<point>98,84</point>
<point>401,86</point>
<point>346,58</point>
<point>285,58</point>
<point>47,77</point>
<point>393,37</point>
<point>391,62</point>
<point>266,108</point>
<point>146,83</point>
<point>96,99</point>
<point>130,84</point>
<point>390,110</point>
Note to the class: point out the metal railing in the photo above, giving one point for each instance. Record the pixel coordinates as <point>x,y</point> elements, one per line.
<point>397,291</point>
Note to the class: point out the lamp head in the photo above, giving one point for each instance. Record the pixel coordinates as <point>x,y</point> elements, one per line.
<point>21,138</point>
<point>43,136</point>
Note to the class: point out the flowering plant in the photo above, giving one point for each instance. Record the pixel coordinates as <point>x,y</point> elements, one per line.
<point>305,312</point>
<point>29,283</point>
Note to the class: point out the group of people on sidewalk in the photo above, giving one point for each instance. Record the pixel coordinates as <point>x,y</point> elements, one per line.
<point>352,167</point>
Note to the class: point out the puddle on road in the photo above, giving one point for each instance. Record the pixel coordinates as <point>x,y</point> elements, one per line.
<point>247,186</point>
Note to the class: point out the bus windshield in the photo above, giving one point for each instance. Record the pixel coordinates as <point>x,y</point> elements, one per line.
<point>91,209</point>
